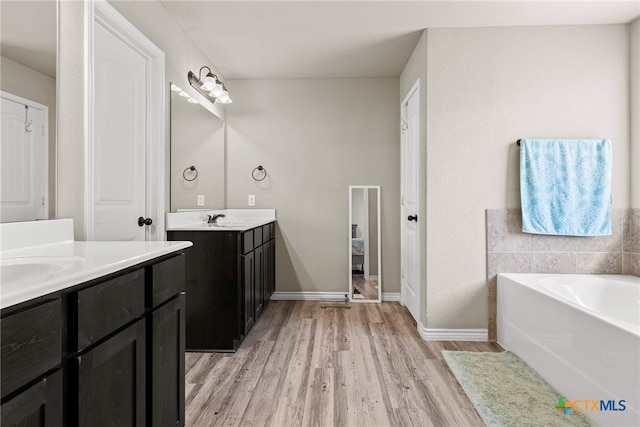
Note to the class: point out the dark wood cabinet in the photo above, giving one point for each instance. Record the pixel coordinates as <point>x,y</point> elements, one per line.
<point>31,344</point>
<point>269,267</point>
<point>248,297</point>
<point>166,381</point>
<point>109,352</point>
<point>38,406</point>
<point>230,277</point>
<point>258,281</point>
<point>111,381</point>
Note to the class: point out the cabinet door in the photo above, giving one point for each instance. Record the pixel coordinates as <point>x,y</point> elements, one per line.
<point>269,262</point>
<point>111,381</point>
<point>38,406</point>
<point>248,296</point>
<point>258,284</point>
<point>167,365</point>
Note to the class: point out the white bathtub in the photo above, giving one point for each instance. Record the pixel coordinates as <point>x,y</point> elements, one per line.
<point>581,333</point>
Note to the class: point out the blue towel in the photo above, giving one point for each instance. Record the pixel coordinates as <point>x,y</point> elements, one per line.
<point>565,187</point>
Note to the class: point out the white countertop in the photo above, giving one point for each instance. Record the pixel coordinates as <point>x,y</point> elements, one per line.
<point>233,220</point>
<point>34,271</point>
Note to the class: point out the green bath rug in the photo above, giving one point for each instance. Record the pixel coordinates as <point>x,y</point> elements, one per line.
<point>507,392</point>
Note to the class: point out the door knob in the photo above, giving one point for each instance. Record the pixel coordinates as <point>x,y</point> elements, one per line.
<point>412,218</point>
<point>144,221</point>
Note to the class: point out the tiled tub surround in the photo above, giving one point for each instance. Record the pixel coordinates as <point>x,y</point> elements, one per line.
<point>509,250</point>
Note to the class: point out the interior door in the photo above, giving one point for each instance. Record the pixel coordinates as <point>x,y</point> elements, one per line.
<point>411,203</point>
<point>24,160</point>
<point>120,129</point>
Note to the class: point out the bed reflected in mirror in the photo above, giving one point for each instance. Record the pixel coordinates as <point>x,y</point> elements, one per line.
<point>365,283</point>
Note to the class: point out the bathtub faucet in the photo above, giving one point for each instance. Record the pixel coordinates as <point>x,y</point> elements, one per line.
<point>213,219</point>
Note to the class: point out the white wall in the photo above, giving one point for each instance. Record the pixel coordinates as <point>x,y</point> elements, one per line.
<point>315,138</point>
<point>634,52</point>
<point>31,84</point>
<point>487,88</point>
<point>70,78</point>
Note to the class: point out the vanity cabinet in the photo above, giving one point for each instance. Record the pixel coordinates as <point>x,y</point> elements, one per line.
<point>31,361</point>
<point>230,278</point>
<point>103,353</point>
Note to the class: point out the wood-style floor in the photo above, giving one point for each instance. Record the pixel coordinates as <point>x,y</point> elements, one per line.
<point>302,365</point>
<point>366,289</point>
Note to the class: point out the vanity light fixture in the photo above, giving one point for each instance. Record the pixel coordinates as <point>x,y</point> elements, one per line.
<point>209,86</point>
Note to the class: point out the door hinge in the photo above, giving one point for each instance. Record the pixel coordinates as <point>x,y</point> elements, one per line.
<point>42,130</point>
<point>401,200</point>
<point>402,272</point>
<point>42,201</point>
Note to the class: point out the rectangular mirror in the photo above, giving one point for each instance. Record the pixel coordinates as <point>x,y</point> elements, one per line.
<point>28,43</point>
<point>365,266</point>
<point>197,155</point>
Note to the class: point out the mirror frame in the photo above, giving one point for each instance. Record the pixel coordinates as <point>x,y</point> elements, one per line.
<point>351,299</point>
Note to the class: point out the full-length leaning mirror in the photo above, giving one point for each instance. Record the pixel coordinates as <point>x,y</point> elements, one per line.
<point>365,266</point>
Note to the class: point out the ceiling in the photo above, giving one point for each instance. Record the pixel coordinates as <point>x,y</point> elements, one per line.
<point>310,39</point>
<point>28,34</point>
<point>335,39</point>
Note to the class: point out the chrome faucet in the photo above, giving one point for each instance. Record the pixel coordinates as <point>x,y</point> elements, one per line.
<point>213,219</point>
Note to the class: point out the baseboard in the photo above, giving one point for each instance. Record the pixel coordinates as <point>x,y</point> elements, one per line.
<point>391,296</point>
<point>324,296</point>
<point>308,296</point>
<point>453,334</point>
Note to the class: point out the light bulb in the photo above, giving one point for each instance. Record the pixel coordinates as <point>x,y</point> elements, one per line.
<point>209,83</point>
<point>185,94</point>
<point>191,100</point>
<point>175,88</point>
<point>224,98</point>
<point>217,91</point>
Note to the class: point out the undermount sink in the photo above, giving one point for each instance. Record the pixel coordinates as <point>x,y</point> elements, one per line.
<point>22,268</point>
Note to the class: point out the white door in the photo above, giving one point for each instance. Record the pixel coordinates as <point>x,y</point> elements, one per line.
<point>410,141</point>
<point>120,138</point>
<point>125,145</point>
<point>23,159</point>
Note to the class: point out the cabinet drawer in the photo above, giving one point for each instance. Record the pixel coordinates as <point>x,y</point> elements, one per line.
<point>31,344</point>
<point>266,233</point>
<point>247,241</point>
<point>257,237</point>
<point>109,305</point>
<point>166,280</point>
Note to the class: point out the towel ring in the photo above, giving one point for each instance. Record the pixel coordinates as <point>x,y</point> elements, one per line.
<point>259,169</point>
<point>192,169</point>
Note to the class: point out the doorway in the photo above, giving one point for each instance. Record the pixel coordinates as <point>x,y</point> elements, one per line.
<point>410,201</point>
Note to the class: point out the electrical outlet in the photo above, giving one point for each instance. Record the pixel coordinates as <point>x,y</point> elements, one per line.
<point>252,199</point>
<point>200,199</point>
